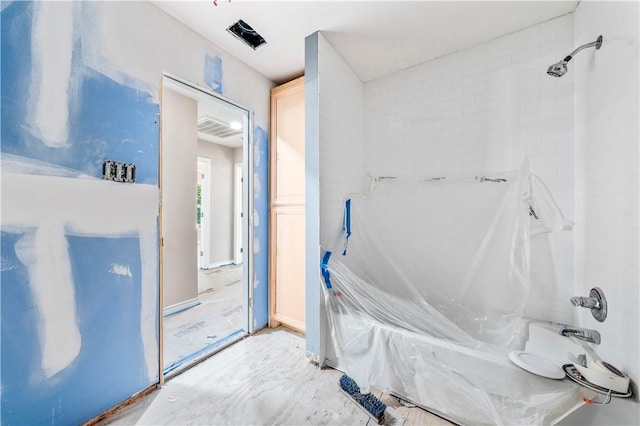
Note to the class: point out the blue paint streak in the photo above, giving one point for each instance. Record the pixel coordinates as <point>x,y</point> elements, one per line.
<point>261,232</point>
<point>106,120</point>
<point>213,73</point>
<point>110,367</point>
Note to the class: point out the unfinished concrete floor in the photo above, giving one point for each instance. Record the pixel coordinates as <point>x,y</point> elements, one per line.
<point>218,316</point>
<point>264,379</point>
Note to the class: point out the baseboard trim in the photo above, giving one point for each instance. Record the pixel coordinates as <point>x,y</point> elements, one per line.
<point>179,307</point>
<point>220,264</point>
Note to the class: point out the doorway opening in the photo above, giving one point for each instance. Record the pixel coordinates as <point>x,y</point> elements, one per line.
<point>205,232</point>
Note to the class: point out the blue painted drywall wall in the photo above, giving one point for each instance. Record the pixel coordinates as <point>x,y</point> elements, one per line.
<point>15,53</point>
<point>261,228</point>
<point>110,366</point>
<point>107,120</point>
<point>213,73</point>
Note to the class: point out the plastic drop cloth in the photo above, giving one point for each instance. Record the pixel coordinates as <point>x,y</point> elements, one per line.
<point>426,292</point>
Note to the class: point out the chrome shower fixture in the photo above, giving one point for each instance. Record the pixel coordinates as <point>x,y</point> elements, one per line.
<point>560,68</point>
<point>596,302</point>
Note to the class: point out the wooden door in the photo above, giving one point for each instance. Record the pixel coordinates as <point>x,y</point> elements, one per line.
<point>287,230</point>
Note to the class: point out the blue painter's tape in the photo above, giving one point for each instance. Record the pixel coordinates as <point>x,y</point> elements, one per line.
<point>346,225</point>
<point>347,215</point>
<point>213,73</point>
<point>325,269</point>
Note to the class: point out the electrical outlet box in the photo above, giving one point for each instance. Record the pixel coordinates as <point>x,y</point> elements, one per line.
<point>119,172</point>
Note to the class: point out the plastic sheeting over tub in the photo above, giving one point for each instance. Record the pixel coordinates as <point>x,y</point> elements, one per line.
<point>425,297</point>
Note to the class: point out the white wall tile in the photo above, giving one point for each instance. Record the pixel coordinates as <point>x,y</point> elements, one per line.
<point>484,109</point>
<point>342,114</point>
<point>607,169</point>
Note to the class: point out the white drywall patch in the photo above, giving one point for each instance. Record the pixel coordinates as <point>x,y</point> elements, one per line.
<point>149,292</point>
<point>86,207</point>
<point>51,51</point>
<point>83,207</point>
<point>45,253</point>
<point>11,163</point>
<point>256,218</point>
<point>257,188</point>
<point>256,155</point>
<point>112,36</point>
<point>256,245</point>
<point>123,270</point>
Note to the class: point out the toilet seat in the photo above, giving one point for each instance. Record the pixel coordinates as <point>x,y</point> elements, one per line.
<point>537,364</point>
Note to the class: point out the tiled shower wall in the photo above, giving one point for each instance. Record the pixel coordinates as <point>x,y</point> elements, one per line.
<point>485,109</point>
<point>607,215</point>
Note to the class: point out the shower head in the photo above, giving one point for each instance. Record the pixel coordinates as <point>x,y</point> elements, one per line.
<point>560,68</point>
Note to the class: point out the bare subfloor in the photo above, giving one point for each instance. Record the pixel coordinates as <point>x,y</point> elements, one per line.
<point>262,380</point>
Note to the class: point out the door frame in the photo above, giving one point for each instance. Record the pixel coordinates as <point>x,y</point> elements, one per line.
<point>238,213</point>
<point>205,226</point>
<point>247,223</point>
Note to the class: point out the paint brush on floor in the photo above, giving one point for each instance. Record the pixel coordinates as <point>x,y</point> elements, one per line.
<point>366,402</point>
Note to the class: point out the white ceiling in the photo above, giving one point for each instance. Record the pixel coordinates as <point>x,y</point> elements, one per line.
<point>376,38</point>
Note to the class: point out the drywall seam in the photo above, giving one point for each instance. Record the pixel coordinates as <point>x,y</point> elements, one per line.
<point>49,91</point>
<point>45,253</point>
<point>93,207</point>
<point>149,294</point>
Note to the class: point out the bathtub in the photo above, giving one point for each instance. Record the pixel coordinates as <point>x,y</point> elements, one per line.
<point>462,384</point>
<point>424,293</point>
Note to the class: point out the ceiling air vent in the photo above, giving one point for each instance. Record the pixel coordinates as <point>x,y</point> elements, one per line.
<point>248,35</point>
<point>213,127</point>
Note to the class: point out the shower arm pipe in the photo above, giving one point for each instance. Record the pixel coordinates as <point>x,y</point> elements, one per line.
<point>595,44</point>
